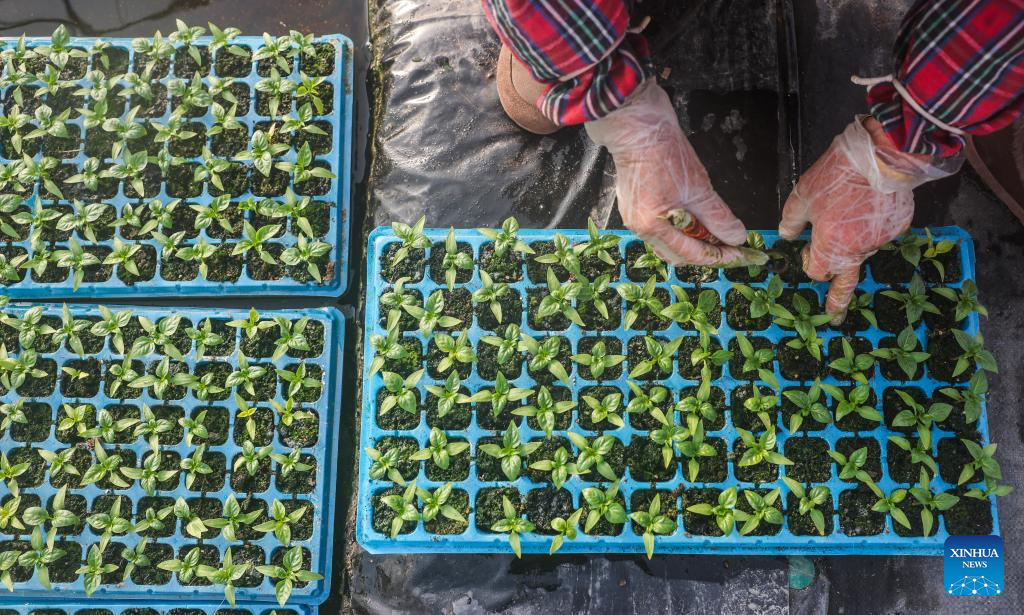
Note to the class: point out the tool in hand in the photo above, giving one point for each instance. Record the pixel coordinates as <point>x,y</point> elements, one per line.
<point>692,227</point>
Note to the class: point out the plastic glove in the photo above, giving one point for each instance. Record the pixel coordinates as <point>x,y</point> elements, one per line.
<point>657,171</point>
<point>858,197</point>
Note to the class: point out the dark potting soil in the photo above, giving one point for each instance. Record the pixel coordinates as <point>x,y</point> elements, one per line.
<point>893,404</point>
<point>412,361</point>
<point>901,467</point>
<point>912,509</point>
<point>968,516</point>
<point>616,458</point>
<point>593,320</point>
<point>257,482</point>
<point>811,463</point>
<point>797,363</point>
<point>216,423</point>
<point>488,505</point>
<point>888,267</point>
<point>944,350</point>
<point>227,64</point>
<point>151,575</point>
<point>855,515</point>
<point>537,272</point>
<point>890,313</point>
<point>953,456</point>
<point>951,268</point>
<point>696,274</point>
<point>383,515</point>
<point>891,369</point>
<point>809,424</point>
<point>511,312</point>
<point>486,418</point>
<point>645,461</point>
<point>638,274</point>
<point>406,447</point>
<point>457,418</point>
<point>687,369</point>
<point>297,481</point>
<point>700,525</point>
<point>302,433</point>
<point>545,504</point>
<point>263,422</point>
<point>792,270</point>
<point>36,428</point>
<point>711,469</point>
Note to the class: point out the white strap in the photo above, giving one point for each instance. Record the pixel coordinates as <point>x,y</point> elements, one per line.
<point>873,81</point>
<point>634,30</point>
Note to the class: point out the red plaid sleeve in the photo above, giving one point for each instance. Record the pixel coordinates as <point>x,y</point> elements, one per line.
<point>582,48</point>
<point>962,61</point>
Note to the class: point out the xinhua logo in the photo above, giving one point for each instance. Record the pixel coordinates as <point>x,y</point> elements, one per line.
<point>973,565</point>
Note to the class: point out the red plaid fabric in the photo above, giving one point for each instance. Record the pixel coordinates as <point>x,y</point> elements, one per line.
<point>581,47</point>
<point>962,61</point>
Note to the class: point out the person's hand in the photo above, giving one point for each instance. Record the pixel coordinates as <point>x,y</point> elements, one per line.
<point>657,172</point>
<point>858,197</point>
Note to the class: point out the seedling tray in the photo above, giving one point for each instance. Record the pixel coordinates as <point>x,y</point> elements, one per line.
<point>164,276</point>
<point>676,489</point>
<point>64,607</point>
<point>315,438</point>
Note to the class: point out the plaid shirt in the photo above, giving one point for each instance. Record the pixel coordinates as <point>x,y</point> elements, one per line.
<point>961,60</point>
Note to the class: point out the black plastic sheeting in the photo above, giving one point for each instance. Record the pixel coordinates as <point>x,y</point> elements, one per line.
<point>757,111</point>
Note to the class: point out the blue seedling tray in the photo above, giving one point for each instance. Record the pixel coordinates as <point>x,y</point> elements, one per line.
<point>320,499</point>
<point>335,272</point>
<point>474,540</point>
<point>64,607</point>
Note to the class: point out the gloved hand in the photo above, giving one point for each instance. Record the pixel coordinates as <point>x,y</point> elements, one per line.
<point>657,171</point>
<point>858,196</point>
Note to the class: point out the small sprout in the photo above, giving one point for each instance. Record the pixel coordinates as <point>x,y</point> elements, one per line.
<point>250,457</point>
<point>135,558</point>
<point>905,353</point>
<point>228,573</point>
<point>566,529</point>
<point>511,451</point>
<point>603,504</point>
<point>559,466</point>
<point>281,520</point>
<point>592,454</point>
<point>598,359</point>
<point>558,299</point>
<point>544,356</point>
<point>850,467</point>
<point>931,501</point>
<point>763,507</point>
<point>966,300</point>
<point>387,347</point>
<point>888,503</point>
<point>694,449</point>
<point>918,453</point>
<point>262,151</point>
<point>982,460</point>
<point>431,315</point>
<point>150,474</point>
<point>761,300</point>
<point>435,503</point>
<point>439,450</point>
<point>761,406</point>
<point>194,427</point>
<point>801,320</point>
<point>810,500</point>
<point>107,467</point>
<point>653,523</point>
<point>650,260</point>
<point>513,525</point>
<point>449,394</point>
<point>308,252</point>
<point>916,415</point>
<point>852,403</point>
<point>992,489</point>
<point>546,409</point>
<point>507,238</point>
<point>661,354</point>
<point>854,365</point>
<point>915,301</point>
<point>605,409</point>
<point>972,397</point>
<point>186,567</point>
<point>454,259</point>
<point>706,357</point>
<point>909,247</point>
<point>93,569</point>
<point>754,361</point>
<point>807,406</point>
<point>973,352</point>
<point>412,239</point>
<point>592,293</point>
<point>760,450</point>
<point>194,466</point>
<point>501,395</point>
<point>724,512</point>
<point>453,350</point>
<point>233,519</point>
<point>670,436</point>
<point>151,427</point>
<point>564,254</point>
<point>639,297</point>
<point>110,523</point>
<point>507,346</point>
<point>490,293</point>
<point>934,249</point>
<point>600,245</point>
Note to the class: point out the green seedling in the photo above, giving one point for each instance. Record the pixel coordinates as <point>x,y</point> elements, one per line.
<point>694,449</point>
<point>412,238</point>
<point>807,406</point>
<point>401,392</point>
<point>546,410</point>
<point>670,436</point>
<point>763,510</point>
<point>852,364</point>
<point>507,238</point>
<point>851,467</point>
<point>489,293</point>
<point>905,353</point>
<point>564,254</point>
<point>965,300</point>
<point>598,359</point>
<point>558,299</point>
<point>918,453</point>
<point>453,350</point>
<point>930,501</point>
<point>544,356</point>
<point>992,490</point>
<point>754,361</point>
<point>592,454</point>
<point>645,401</point>
<point>566,529</point>
<point>724,512</point>
<point>448,395</point>
<point>513,525</point>
<point>501,395</point>
<point>454,259</point>
<point>810,500</point>
<point>605,409</point>
<point>916,415</point>
<point>852,403</point>
<point>653,522</point>
<point>511,451</point>
<point>888,503</point>
<point>638,298</point>
<point>603,504</point>
<point>761,300</point>
<point>439,450</point>
<point>650,260</point>
<point>761,406</point>
<point>560,467</point>
<point>431,315</point>
<point>982,460</point>
<point>660,355</point>
<point>974,352</point>
<point>760,449</point>
<point>915,301</point>
<point>970,398</point>
<point>281,520</point>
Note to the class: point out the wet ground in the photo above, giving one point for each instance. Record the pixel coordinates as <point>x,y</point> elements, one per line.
<point>762,86</point>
